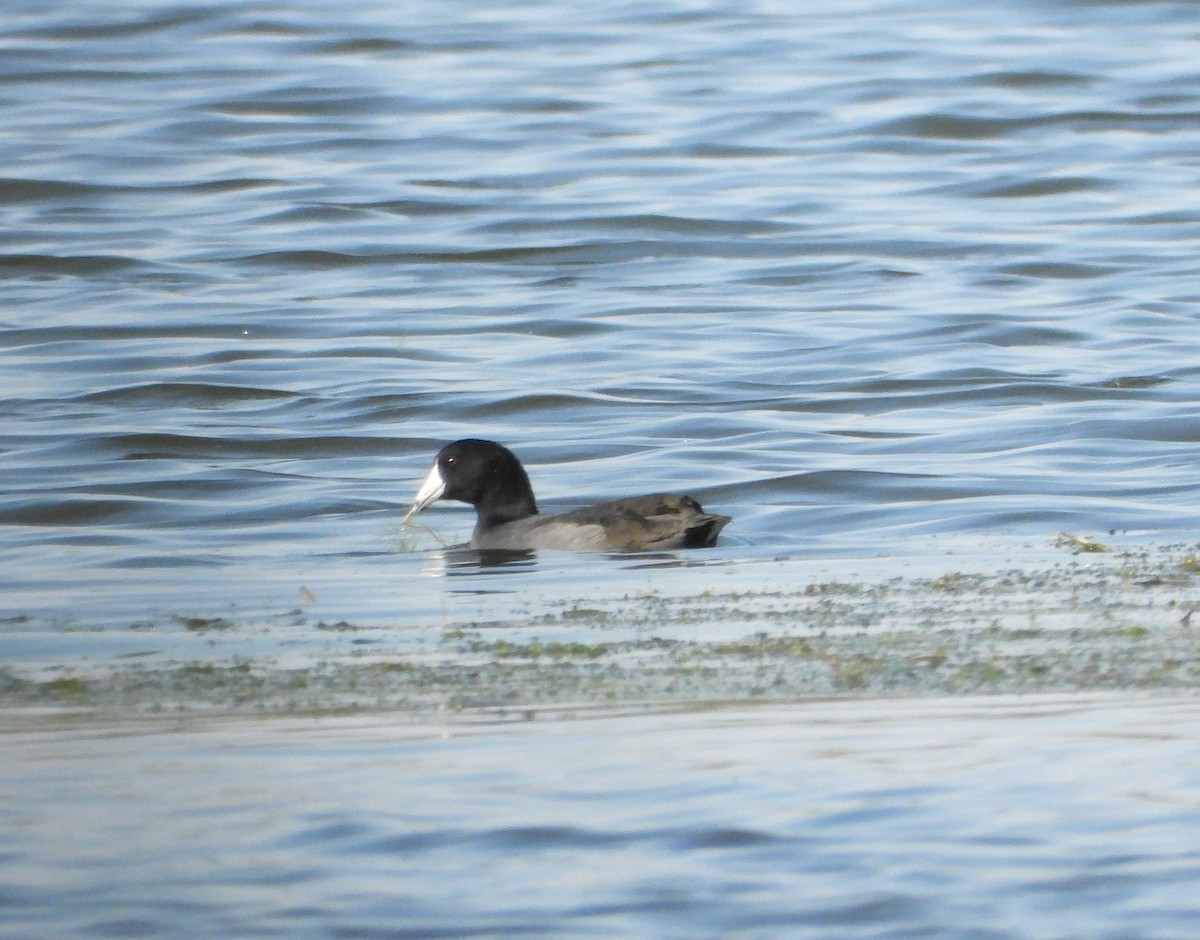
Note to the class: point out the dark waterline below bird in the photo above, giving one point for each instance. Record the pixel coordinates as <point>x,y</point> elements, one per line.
<point>490,477</point>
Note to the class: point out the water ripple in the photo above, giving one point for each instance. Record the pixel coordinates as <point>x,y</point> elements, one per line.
<point>845,274</point>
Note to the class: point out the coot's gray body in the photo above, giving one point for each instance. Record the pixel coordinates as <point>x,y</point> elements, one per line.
<point>490,477</point>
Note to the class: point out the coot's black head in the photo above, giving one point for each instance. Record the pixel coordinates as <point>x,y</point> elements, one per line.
<point>483,473</point>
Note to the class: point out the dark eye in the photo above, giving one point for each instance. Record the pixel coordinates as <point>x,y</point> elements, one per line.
<point>451,461</point>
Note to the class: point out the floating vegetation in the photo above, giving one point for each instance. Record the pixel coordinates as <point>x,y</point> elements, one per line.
<point>66,687</point>
<point>406,538</point>
<point>950,581</point>
<point>1079,544</point>
<point>1119,622</point>
<point>201,624</point>
<point>536,649</point>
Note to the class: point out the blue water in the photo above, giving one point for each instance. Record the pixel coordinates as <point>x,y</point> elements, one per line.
<point>993,818</point>
<point>863,278</point>
<point>862,274</point>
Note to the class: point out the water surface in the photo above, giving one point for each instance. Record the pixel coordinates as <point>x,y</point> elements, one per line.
<point>996,818</point>
<point>853,276</point>
<point>881,281</point>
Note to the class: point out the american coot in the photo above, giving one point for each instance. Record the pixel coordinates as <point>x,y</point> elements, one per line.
<point>491,478</point>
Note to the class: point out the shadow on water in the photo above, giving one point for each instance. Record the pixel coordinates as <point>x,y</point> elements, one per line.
<point>462,562</point>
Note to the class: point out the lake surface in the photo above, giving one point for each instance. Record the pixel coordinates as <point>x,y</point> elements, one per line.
<point>880,281</point>
<point>853,277</point>
<point>985,818</point>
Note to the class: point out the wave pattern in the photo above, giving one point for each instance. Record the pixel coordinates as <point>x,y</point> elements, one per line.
<point>847,277</point>
<point>829,818</point>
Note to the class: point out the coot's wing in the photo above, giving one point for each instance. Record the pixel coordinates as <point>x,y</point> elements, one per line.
<point>655,521</point>
<point>659,521</point>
